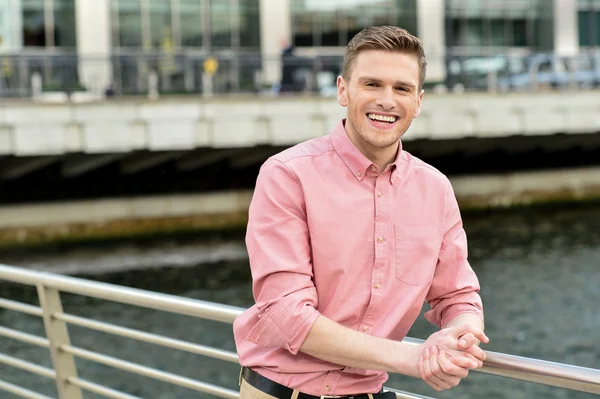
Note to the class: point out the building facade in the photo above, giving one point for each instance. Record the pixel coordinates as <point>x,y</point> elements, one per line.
<point>98,29</point>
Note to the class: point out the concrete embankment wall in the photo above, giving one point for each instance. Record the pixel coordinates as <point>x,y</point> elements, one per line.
<point>33,224</point>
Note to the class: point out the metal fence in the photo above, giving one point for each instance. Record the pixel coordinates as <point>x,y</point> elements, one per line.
<point>70,385</point>
<point>68,76</point>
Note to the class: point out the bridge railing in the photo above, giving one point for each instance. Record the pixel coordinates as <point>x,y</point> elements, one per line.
<point>70,386</point>
<point>63,76</point>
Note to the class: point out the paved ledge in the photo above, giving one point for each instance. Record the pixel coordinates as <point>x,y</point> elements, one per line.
<point>185,123</point>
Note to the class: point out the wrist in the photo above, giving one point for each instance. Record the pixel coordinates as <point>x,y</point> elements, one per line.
<point>404,359</point>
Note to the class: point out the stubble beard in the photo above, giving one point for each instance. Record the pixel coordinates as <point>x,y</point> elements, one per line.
<point>384,139</point>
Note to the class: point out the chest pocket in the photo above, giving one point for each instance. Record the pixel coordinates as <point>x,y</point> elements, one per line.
<point>417,250</point>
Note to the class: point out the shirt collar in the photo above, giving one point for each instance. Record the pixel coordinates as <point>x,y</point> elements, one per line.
<point>356,161</point>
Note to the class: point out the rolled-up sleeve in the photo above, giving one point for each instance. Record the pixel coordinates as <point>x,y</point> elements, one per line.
<point>455,287</point>
<point>277,240</point>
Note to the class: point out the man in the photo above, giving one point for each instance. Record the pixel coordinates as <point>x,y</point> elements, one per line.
<point>348,235</point>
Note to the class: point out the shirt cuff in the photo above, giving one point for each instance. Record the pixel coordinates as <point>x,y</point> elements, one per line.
<point>460,309</point>
<point>283,328</point>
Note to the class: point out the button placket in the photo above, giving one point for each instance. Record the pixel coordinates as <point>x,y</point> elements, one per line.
<point>330,383</point>
<point>381,250</point>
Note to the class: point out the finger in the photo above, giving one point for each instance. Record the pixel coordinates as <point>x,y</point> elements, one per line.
<point>430,379</point>
<point>442,379</point>
<point>466,341</point>
<point>451,368</point>
<point>476,351</point>
<point>465,360</point>
<point>478,333</point>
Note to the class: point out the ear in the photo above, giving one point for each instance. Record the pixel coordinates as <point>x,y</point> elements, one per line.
<point>342,91</point>
<point>419,101</point>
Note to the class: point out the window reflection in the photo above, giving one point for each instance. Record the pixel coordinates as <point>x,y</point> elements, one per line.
<point>36,18</point>
<point>220,20</point>
<point>161,36</point>
<point>334,23</point>
<point>589,22</point>
<point>162,24</point>
<point>190,14</point>
<point>64,23</point>
<point>477,24</point>
<point>249,24</point>
<point>34,28</point>
<point>129,23</point>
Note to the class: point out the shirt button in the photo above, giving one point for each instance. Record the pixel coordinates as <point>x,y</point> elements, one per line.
<point>379,194</point>
<point>327,388</point>
<point>359,174</point>
<point>376,285</point>
<point>374,168</point>
<point>365,328</point>
<point>379,239</point>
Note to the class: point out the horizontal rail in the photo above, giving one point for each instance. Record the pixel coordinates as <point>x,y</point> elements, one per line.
<point>126,295</point>
<point>99,389</point>
<point>540,371</point>
<point>151,372</point>
<point>406,395</point>
<point>24,337</point>
<point>543,372</point>
<point>20,307</point>
<point>521,368</point>
<point>148,337</point>
<point>27,366</point>
<point>22,392</point>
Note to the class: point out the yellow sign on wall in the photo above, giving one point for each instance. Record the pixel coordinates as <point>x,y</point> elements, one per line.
<point>210,66</point>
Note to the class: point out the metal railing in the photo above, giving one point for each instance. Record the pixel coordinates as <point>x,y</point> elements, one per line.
<point>69,76</point>
<point>70,385</point>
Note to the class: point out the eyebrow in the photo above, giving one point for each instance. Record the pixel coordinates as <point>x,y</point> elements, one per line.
<point>397,83</point>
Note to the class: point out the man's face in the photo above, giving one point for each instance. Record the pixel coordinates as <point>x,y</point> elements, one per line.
<point>382,96</point>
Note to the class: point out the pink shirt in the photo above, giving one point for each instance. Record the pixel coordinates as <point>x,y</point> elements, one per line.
<point>330,234</point>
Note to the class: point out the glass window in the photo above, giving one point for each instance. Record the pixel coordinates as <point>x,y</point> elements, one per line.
<point>405,15</point>
<point>64,23</point>
<point>221,23</point>
<point>190,12</point>
<point>161,32</point>
<point>589,22</point>
<point>34,27</point>
<point>129,22</point>
<point>585,28</point>
<point>335,22</point>
<point>332,31</point>
<point>476,24</point>
<point>304,27</point>
<point>249,23</point>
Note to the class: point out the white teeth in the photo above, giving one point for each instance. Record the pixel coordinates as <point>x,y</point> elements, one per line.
<point>382,118</point>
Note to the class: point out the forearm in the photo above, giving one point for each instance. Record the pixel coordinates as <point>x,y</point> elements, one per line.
<point>329,341</point>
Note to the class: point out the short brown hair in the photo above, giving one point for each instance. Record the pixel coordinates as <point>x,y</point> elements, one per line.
<point>387,38</point>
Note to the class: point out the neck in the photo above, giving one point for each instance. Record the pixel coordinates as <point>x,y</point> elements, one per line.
<point>381,157</point>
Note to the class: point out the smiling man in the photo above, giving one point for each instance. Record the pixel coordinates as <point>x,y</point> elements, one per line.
<point>348,236</point>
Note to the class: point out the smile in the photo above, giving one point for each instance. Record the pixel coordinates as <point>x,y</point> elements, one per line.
<point>382,118</point>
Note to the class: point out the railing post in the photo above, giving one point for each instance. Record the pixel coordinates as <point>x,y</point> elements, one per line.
<point>56,331</point>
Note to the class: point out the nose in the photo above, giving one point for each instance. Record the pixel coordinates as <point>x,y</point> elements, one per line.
<point>386,99</point>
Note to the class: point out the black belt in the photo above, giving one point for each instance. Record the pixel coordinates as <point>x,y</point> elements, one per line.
<point>282,392</point>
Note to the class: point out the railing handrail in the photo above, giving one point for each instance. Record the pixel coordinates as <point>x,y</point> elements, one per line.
<point>505,365</point>
<point>126,295</point>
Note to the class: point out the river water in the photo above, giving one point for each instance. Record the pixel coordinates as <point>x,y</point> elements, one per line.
<point>539,271</point>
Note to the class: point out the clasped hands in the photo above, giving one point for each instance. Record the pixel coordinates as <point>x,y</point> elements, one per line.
<point>447,355</point>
